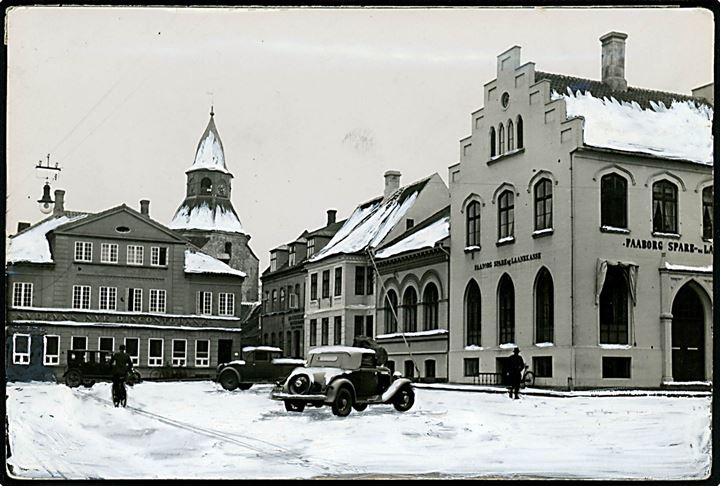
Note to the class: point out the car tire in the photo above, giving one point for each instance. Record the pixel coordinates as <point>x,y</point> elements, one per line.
<point>342,406</point>
<point>359,407</point>
<point>293,406</point>
<point>404,399</point>
<point>245,386</point>
<point>528,379</point>
<point>229,380</point>
<point>73,379</point>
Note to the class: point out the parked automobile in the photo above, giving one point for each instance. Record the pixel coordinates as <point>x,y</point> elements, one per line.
<point>345,378</point>
<point>259,364</point>
<point>85,367</point>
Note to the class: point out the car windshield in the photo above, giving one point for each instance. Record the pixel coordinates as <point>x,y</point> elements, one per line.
<point>326,360</point>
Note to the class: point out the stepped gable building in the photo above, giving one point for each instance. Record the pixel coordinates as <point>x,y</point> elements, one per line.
<point>413,317</point>
<point>207,218</point>
<point>582,230</point>
<point>340,301</point>
<point>283,284</point>
<point>80,280</point>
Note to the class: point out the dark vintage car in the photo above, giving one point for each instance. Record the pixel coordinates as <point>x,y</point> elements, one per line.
<point>259,364</point>
<point>85,367</point>
<point>345,378</point>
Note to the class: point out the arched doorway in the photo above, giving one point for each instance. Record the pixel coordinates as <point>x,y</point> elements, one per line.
<point>688,336</point>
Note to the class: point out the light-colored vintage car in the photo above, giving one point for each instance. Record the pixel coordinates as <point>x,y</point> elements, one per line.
<point>345,378</point>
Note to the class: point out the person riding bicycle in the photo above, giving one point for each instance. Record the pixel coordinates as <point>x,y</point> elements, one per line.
<point>515,365</point>
<point>121,365</point>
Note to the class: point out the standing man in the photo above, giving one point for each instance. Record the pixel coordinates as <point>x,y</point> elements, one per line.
<point>516,365</point>
<point>121,364</point>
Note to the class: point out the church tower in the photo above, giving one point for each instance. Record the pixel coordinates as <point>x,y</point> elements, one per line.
<point>207,218</point>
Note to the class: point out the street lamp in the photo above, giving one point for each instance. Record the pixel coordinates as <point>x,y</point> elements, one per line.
<point>46,202</point>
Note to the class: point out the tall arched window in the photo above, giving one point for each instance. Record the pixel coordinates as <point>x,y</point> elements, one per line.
<point>492,142</point>
<point>391,306</point>
<point>511,136</point>
<point>228,248</point>
<point>472,314</point>
<point>707,212</point>
<point>506,310</point>
<point>501,139</point>
<point>272,339</point>
<point>506,214</point>
<point>543,204</point>
<point>410,310</point>
<point>544,307</point>
<point>614,307</point>
<point>519,128</point>
<point>430,307</point>
<point>205,186</point>
<point>613,201</point>
<point>664,207</point>
<point>472,226</point>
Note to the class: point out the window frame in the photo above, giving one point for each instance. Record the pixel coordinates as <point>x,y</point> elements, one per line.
<point>471,367</point>
<point>410,310</point>
<point>83,251</point>
<point>156,253</point>
<point>313,286</point>
<point>613,332</point>
<point>107,250</point>
<point>431,308</point>
<point>135,358</point>
<point>324,331</point>
<point>178,362</point>
<point>204,302</point>
<point>506,208</point>
<point>137,299</point>
<point>226,308</point>
<point>20,291</point>
<point>112,340</point>
<point>80,297</point>
<point>473,329</point>
<point>22,358</point>
<point>156,294</point>
<point>202,361</point>
<point>337,330</point>
<point>360,281</point>
<point>545,330</point>
<point>153,360</point>
<point>51,359</point>
<point>510,136</point>
<point>605,367</point>
<point>506,310</point>
<point>72,342</point>
<point>136,250</point>
<point>544,219</point>
<point>337,291</point>
<point>613,196</point>
<point>312,332</point>
<point>472,224</point>
<point>325,289</point>
<point>493,143</point>
<point>110,297</point>
<point>501,139</point>
<point>666,194</point>
<point>391,318</point>
<point>707,209</point>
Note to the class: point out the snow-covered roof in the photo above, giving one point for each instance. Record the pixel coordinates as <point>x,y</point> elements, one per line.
<point>432,332</point>
<point>423,238</point>
<point>205,217</point>
<point>371,222</point>
<point>32,244</point>
<point>271,349</point>
<point>340,349</point>
<point>33,322</point>
<point>197,262</point>
<point>210,154</point>
<point>682,130</point>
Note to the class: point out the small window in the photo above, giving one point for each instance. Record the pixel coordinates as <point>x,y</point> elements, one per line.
<point>179,352</point>
<point>204,303</point>
<point>543,204</point>
<point>313,286</point>
<point>338,281</point>
<point>83,251</point>
<point>205,186</point>
<point>228,249</point>
<point>492,142</point>
<point>409,223</point>
<point>359,280</point>
<point>158,298</point>
<point>505,99</point>
<point>542,366</point>
<point>615,367</point>
<point>326,284</point>
<point>155,352</point>
<point>472,224</point>
<point>81,297</point>
<point>472,366</point>
<point>707,212</point>
<point>511,136</point>
<point>501,139</point>
<point>109,253</point>
<point>313,332</point>
<point>519,128</point>
<point>429,368</point>
<point>506,215</point>
<point>665,207</point>
<point>202,353</point>
<point>132,347</point>
<point>135,255</point>
<point>327,358</point>
<point>135,300</point>
<point>325,337</point>
<point>122,229</point>
<point>226,304</point>
<point>51,353</point>
<point>106,344</point>
<point>21,349</point>
<point>108,298</point>
<point>158,256</point>
<point>22,294</point>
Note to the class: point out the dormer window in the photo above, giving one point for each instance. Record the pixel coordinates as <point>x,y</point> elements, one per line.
<point>311,247</point>
<point>273,261</point>
<point>291,256</point>
<point>205,186</point>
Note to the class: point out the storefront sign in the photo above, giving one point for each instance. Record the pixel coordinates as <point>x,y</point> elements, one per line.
<point>673,246</point>
<point>508,261</point>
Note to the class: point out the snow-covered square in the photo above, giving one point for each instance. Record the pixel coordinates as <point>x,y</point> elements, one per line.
<point>198,430</point>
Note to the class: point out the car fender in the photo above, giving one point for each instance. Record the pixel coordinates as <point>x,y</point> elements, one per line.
<point>229,369</point>
<point>334,387</point>
<point>395,386</point>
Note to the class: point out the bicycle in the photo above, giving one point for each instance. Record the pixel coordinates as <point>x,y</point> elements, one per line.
<point>528,377</point>
<point>119,392</point>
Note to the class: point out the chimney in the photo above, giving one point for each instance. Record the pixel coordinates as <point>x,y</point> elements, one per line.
<point>613,60</point>
<point>59,201</point>
<point>22,225</point>
<point>145,207</point>
<point>392,182</point>
<point>331,213</point>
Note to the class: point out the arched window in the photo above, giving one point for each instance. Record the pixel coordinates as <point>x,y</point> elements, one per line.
<point>519,128</point>
<point>274,299</point>
<point>664,207</point>
<point>228,248</point>
<point>501,139</point>
<point>473,224</point>
<point>266,339</point>
<point>410,310</point>
<point>614,307</point>
<point>272,339</point>
<point>511,136</point>
<point>282,298</point>
<point>613,201</point>
<point>543,204</point>
<point>205,186</point>
<point>391,306</point>
<point>506,215</point>
<point>544,307</point>
<point>472,314</point>
<point>492,142</point>
<point>506,310</point>
<point>707,212</point>
<point>430,307</point>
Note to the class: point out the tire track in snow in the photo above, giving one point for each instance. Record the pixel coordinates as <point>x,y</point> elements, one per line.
<point>265,448</point>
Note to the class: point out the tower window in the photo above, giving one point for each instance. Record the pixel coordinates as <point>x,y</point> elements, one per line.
<point>205,186</point>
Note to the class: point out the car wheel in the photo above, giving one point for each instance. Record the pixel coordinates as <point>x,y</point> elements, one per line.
<point>229,380</point>
<point>528,379</point>
<point>73,379</point>
<point>245,386</point>
<point>360,406</point>
<point>404,399</point>
<point>292,406</point>
<point>342,406</point>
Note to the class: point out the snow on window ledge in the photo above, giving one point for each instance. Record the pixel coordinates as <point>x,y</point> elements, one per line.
<point>473,347</point>
<point>665,235</point>
<point>615,346</point>
<point>505,241</point>
<point>614,229</point>
<point>542,232</point>
<point>508,346</point>
<point>471,248</point>
<point>544,345</point>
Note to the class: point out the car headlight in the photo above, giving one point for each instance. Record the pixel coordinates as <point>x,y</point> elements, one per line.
<point>299,384</point>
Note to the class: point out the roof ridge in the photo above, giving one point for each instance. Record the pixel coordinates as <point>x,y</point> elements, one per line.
<point>430,220</point>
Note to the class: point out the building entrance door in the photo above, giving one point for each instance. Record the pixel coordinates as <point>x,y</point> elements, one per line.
<point>224,350</point>
<point>688,336</point>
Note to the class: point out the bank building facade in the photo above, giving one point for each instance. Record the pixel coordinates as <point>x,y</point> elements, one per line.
<point>581,230</point>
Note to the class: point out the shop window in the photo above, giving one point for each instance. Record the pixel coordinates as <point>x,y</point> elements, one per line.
<point>391,306</point>
<point>506,310</point>
<point>665,207</point>
<point>51,353</point>
<point>707,212</point>
<point>544,307</point>
<point>472,224</point>
<point>613,201</point>
<point>106,344</point>
<point>613,367</point>
<point>430,307</point>
<point>506,215</point>
<point>542,366</point>
<point>410,310</point>
<point>472,314</point>
<point>614,307</point>
<point>155,352</point>
<point>543,204</point>
<point>21,349</point>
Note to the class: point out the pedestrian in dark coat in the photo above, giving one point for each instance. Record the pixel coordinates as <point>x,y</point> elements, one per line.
<point>516,366</point>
